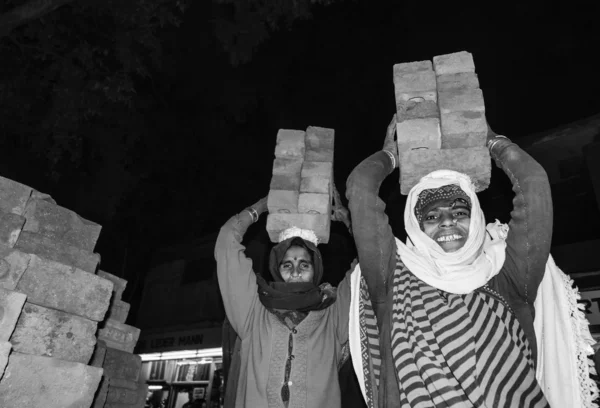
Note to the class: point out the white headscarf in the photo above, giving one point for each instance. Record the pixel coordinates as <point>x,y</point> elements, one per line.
<point>467,269</point>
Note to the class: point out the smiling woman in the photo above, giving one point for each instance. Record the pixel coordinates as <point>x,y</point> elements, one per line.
<point>445,220</point>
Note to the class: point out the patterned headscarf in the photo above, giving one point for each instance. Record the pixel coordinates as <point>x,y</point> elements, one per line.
<point>429,197</point>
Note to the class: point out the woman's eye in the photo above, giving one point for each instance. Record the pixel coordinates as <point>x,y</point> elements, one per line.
<point>429,217</point>
<point>461,213</point>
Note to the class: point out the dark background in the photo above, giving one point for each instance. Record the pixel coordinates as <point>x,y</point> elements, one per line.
<point>157,118</point>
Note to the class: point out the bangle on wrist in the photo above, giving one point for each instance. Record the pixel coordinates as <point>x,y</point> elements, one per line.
<point>492,142</point>
<point>392,158</point>
<point>253,214</point>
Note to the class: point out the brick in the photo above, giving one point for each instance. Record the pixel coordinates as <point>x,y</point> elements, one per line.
<point>311,203</point>
<point>58,251</point>
<point>62,287</point>
<point>474,161</point>
<point>418,95</point>
<point>99,354</point>
<point>119,284</point>
<point>461,100</point>
<point>5,348</point>
<point>10,228</point>
<point>118,311</point>
<point>289,182</point>
<point>457,81</point>
<point>52,333</point>
<point>319,138</point>
<point>123,392</point>
<point>319,155</point>
<point>463,129</point>
<point>417,108</point>
<point>13,264</point>
<point>419,133</point>
<point>316,222</point>
<point>36,381</point>
<point>283,165</point>
<point>411,67</point>
<point>11,304</point>
<point>281,201</point>
<point>101,393</point>
<point>121,395</point>
<point>290,143</point>
<point>61,224</point>
<point>453,63</point>
<point>13,196</point>
<point>310,168</point>
<point>118,335</point>
<point>315,184</point>
<point>121,365</point>
<point>415,82</point>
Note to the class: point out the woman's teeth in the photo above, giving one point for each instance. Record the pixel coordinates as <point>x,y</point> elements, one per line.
<point>448,238</point>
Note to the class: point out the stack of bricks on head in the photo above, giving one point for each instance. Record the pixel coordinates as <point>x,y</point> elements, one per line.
<point>441,120</point>
<point>301,188</point>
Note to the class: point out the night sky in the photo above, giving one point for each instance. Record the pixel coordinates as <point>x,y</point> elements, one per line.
<point>213,108</point>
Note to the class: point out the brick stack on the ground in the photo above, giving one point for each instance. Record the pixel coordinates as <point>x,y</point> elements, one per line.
<point>120,386</point>
<point>301,188</point>
<point>51,303</point>
<point>441,119</point>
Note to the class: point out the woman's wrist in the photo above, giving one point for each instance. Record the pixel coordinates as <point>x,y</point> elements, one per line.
<point>392,158</point>
<point>253,214</point>
<point>494,141</point>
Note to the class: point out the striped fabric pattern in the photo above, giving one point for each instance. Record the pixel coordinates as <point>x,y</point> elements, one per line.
<point>369,339</point>
<point>458,350</point>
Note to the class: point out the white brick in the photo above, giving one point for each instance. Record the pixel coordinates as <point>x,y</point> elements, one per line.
<point>454,81</point>
<point>453,63</point>
<point>415,82</point>
<point>311,203</point>
<point>411,67</point>
<point>463,129</point>
<point>417,95</point>
<point>474,161</point>
<point>315,184</point>
<point>11,304</point>
<point>419,133</point>
<point>282,201</point>
<point>324,169</point>
<point>461,100</point>
<point>319,138</point>
<point>284,165</point>
<point>290,143</point>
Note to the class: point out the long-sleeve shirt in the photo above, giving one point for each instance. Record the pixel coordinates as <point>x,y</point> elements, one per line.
<point>314,346</point>
<point>528,241</point>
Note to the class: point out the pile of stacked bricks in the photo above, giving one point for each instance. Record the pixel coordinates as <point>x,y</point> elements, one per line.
<point>301,188</point>
<point>62,330</point>
<point>441,119</point>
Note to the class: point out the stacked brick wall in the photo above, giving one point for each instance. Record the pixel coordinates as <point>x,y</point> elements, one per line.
<point>59,316</point>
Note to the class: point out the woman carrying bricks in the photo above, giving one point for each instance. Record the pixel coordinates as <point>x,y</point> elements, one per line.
<point>292,330</point>
<point>455,304</point>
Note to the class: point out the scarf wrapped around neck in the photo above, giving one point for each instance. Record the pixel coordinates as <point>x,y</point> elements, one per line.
<point>299,297</point>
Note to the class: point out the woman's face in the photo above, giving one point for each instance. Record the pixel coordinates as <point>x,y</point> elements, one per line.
<point>448,224</point>
<point>296,265</point>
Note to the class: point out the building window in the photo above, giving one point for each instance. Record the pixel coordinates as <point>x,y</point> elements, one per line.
<point>157,370</point>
